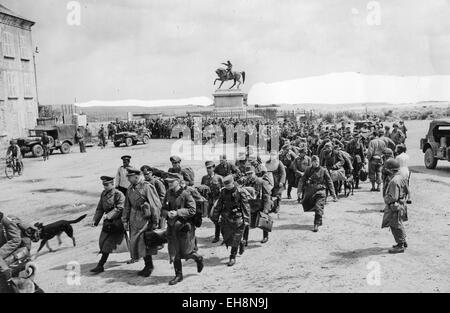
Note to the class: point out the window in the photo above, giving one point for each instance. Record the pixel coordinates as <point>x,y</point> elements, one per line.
<point>11,81</point>
<point>24,49</point>
<point>28,85</point>
<point>8,45</point>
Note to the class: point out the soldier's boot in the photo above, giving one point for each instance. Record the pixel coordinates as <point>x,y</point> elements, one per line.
<point>241,247</point>
<point>245,236</point>
<point>405,245</point>
<point>178,273</point>
<point>217,233</point>
<point>265,237</point>
<point>397,249</point>
<point>289,192</point>
<point>148,268</point>
<point>378,188</point>
<point>100,266</point>
<point>232,260</point>
<point>373,187</point>
<point>316,228</point>
<point>199,260</point>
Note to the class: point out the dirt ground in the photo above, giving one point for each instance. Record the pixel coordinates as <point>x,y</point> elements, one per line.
<point>348,254</point>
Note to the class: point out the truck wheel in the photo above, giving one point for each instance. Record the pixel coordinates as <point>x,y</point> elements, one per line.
<point>37,151</point>
<point>429,159</point>
<point>65,148</point>
<point>129,142</point>
<point>145,140</point>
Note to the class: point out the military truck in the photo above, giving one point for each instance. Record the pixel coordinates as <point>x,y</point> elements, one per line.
<point>436,144</point>
<point>62,138</point>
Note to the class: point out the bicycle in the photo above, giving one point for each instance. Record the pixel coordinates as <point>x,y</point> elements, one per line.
<point>13,167</point>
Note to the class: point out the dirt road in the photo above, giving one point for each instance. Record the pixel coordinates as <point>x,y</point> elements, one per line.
<point>348,254</point>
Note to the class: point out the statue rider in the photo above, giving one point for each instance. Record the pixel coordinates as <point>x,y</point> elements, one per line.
<point>229,68</point>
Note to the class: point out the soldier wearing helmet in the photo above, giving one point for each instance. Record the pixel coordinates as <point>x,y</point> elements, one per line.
<point>395,211</point>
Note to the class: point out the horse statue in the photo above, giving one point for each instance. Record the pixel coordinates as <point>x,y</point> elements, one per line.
<point>224,76</point>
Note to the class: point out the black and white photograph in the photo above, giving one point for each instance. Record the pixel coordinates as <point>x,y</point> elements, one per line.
<point>215,148</point>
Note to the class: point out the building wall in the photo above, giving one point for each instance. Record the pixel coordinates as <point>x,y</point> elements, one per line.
<point>18,104</point>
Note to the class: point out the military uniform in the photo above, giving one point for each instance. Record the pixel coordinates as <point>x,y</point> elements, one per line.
<point>10,241</point>
<point>215,184</point>
<point>227,169</point>
<point>233,210</point>
<point>133,214</point>
<point>314,184</point>
<point>111,205</point>
<point>395,211</point>
<point>182,242</point>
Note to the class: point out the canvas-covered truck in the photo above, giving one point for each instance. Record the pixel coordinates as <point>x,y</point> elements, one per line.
<point>436,144</point>
<point>62,138</point>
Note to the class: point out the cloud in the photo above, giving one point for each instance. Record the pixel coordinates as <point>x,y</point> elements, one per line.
<point>169,49</point>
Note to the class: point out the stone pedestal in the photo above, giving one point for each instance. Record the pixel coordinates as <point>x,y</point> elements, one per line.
<point>226,99</point>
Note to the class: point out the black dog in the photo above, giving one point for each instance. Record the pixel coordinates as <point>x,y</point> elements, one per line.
<point>47,232</point>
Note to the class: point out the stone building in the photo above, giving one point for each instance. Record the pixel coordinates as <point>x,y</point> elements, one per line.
<point>18,103</point>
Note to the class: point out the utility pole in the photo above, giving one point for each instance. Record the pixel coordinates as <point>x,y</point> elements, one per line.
<point>36,51</point>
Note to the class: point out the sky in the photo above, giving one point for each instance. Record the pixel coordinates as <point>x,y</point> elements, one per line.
<point>169,49</point>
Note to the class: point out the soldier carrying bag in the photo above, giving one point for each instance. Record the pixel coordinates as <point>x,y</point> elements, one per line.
<point>264,221</point>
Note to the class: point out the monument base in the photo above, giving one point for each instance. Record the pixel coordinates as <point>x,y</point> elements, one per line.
<point>230,99</point>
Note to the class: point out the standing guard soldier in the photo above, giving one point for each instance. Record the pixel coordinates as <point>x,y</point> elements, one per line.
<point>180,208</point>
<point>233,210</point>
<point>215,184</point>
<point>113,237</point>
<point>45,142</point>
<point>122,182</point>
<point>395,211</point>
<point>142,211</point>
<point>314,183</point>
<point>374,153</point>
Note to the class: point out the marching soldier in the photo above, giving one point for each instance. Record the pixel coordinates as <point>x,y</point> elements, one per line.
<point>276,167</point>
<point>122,182</point>
<point>263,190</point>
<point>142,211</point>
<point>179,207</point>
<point>113,237</point>
<point>215,183</point>
<point>313,185</point>
<point>147,171</point>
<point>395,211</point>
<point>226,168</point>
<point>177,169</point>
<point>299,166</point>
<point>233,210</point>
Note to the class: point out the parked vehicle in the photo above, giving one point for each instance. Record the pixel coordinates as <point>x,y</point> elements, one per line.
<point>132,138</point>
<point>436,144</point>
<point>62,138</point>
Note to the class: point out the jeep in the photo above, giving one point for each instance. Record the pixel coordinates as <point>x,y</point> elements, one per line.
<point>436,145</point>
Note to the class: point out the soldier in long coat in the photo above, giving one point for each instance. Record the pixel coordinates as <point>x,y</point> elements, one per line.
<point>180,207</point>
<point>276,167</point>
<point>314,184</point>
<point>395,211</point>
<point>299,166</point>
<point>263,190</point>
<point>113,237</point>
<point>141,195</point>
<point>215,184</point>
<point>233,210</point>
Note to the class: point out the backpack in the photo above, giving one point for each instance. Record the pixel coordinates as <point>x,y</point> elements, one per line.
<point>189,172</point>
<point>201,206</point>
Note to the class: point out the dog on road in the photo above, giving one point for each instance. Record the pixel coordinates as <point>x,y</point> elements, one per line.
<point>47,232</point>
